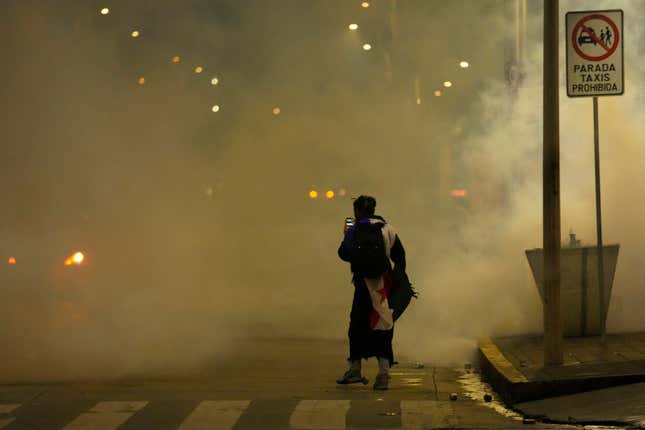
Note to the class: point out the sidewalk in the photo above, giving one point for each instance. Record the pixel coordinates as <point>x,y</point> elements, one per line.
<point>514,365</point>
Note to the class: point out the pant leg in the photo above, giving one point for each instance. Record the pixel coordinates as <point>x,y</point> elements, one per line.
<point>381,344</point>
<point>359,331</point>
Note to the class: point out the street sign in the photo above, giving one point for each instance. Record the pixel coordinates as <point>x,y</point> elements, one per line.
<point>594,42</point>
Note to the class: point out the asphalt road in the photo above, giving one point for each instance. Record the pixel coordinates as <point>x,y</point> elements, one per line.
<point>269,384</point>
<point>623,404</point>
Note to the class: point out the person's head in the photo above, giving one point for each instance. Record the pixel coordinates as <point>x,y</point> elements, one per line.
<point>364,206</point>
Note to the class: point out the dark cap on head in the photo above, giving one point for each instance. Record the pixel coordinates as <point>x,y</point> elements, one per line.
<point>364,206</point>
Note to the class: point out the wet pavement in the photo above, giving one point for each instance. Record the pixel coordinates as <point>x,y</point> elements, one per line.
<point>268,384</point>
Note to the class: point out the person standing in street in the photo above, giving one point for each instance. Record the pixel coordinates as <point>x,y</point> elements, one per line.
<point>369,244</point>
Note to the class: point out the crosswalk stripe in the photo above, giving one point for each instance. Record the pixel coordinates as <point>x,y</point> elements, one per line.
<point>7,408</point>
<point>424,414</point>
<point>320,414</point>
<point>215,414</point>
<point>5,422</point>
<point>106,415</point>
<point>224,414</point>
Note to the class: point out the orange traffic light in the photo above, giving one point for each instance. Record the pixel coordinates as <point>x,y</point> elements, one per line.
<point>313,194</point>
<point>329,194</point>
<point>12,260</point>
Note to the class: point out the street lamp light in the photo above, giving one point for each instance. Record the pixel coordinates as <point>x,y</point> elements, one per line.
<point>353,27</point>
<point>105,11</point>
<point>367,47</point>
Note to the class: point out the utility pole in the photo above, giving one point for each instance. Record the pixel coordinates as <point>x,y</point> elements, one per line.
<point>553,353</point>
<point>520,33</point>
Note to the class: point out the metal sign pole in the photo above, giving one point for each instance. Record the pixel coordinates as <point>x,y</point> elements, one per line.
<point>601,267</point>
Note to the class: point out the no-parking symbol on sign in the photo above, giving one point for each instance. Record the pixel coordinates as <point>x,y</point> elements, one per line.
<point>594,53</point>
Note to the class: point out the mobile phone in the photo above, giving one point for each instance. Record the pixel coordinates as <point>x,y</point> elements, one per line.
<point>349,221</point>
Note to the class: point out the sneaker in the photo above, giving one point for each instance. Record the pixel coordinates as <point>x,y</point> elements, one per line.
<point>381,381</point>
<point>352,376</point>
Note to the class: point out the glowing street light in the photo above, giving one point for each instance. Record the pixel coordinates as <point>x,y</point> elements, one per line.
<point>365,4</point>
<point>464,64</point>
<point>313,194</point>
<point>176,59</point>
<point>367,47</point>
<point>199,69</point>
<point>135,34</point>
<point>105,11</point>
<point>276,111</point>
<point>12,260</point>
<point>141,80</point>
<point>438,93</point>
<point>214,81</point>
<point>418,100</point>
<point>215,108</point>
<point>329,194</point>
<point>353,27</point>
<point>447,84</point>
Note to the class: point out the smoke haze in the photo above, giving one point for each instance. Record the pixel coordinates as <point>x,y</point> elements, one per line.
<point>197,226</point>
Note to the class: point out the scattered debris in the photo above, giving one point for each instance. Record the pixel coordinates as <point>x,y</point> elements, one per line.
<point>474,388</point>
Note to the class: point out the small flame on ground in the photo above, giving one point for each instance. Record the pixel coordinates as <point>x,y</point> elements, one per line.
<point>77,258</point>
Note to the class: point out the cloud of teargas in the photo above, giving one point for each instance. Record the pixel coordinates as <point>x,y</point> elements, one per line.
<point>208,204</point>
